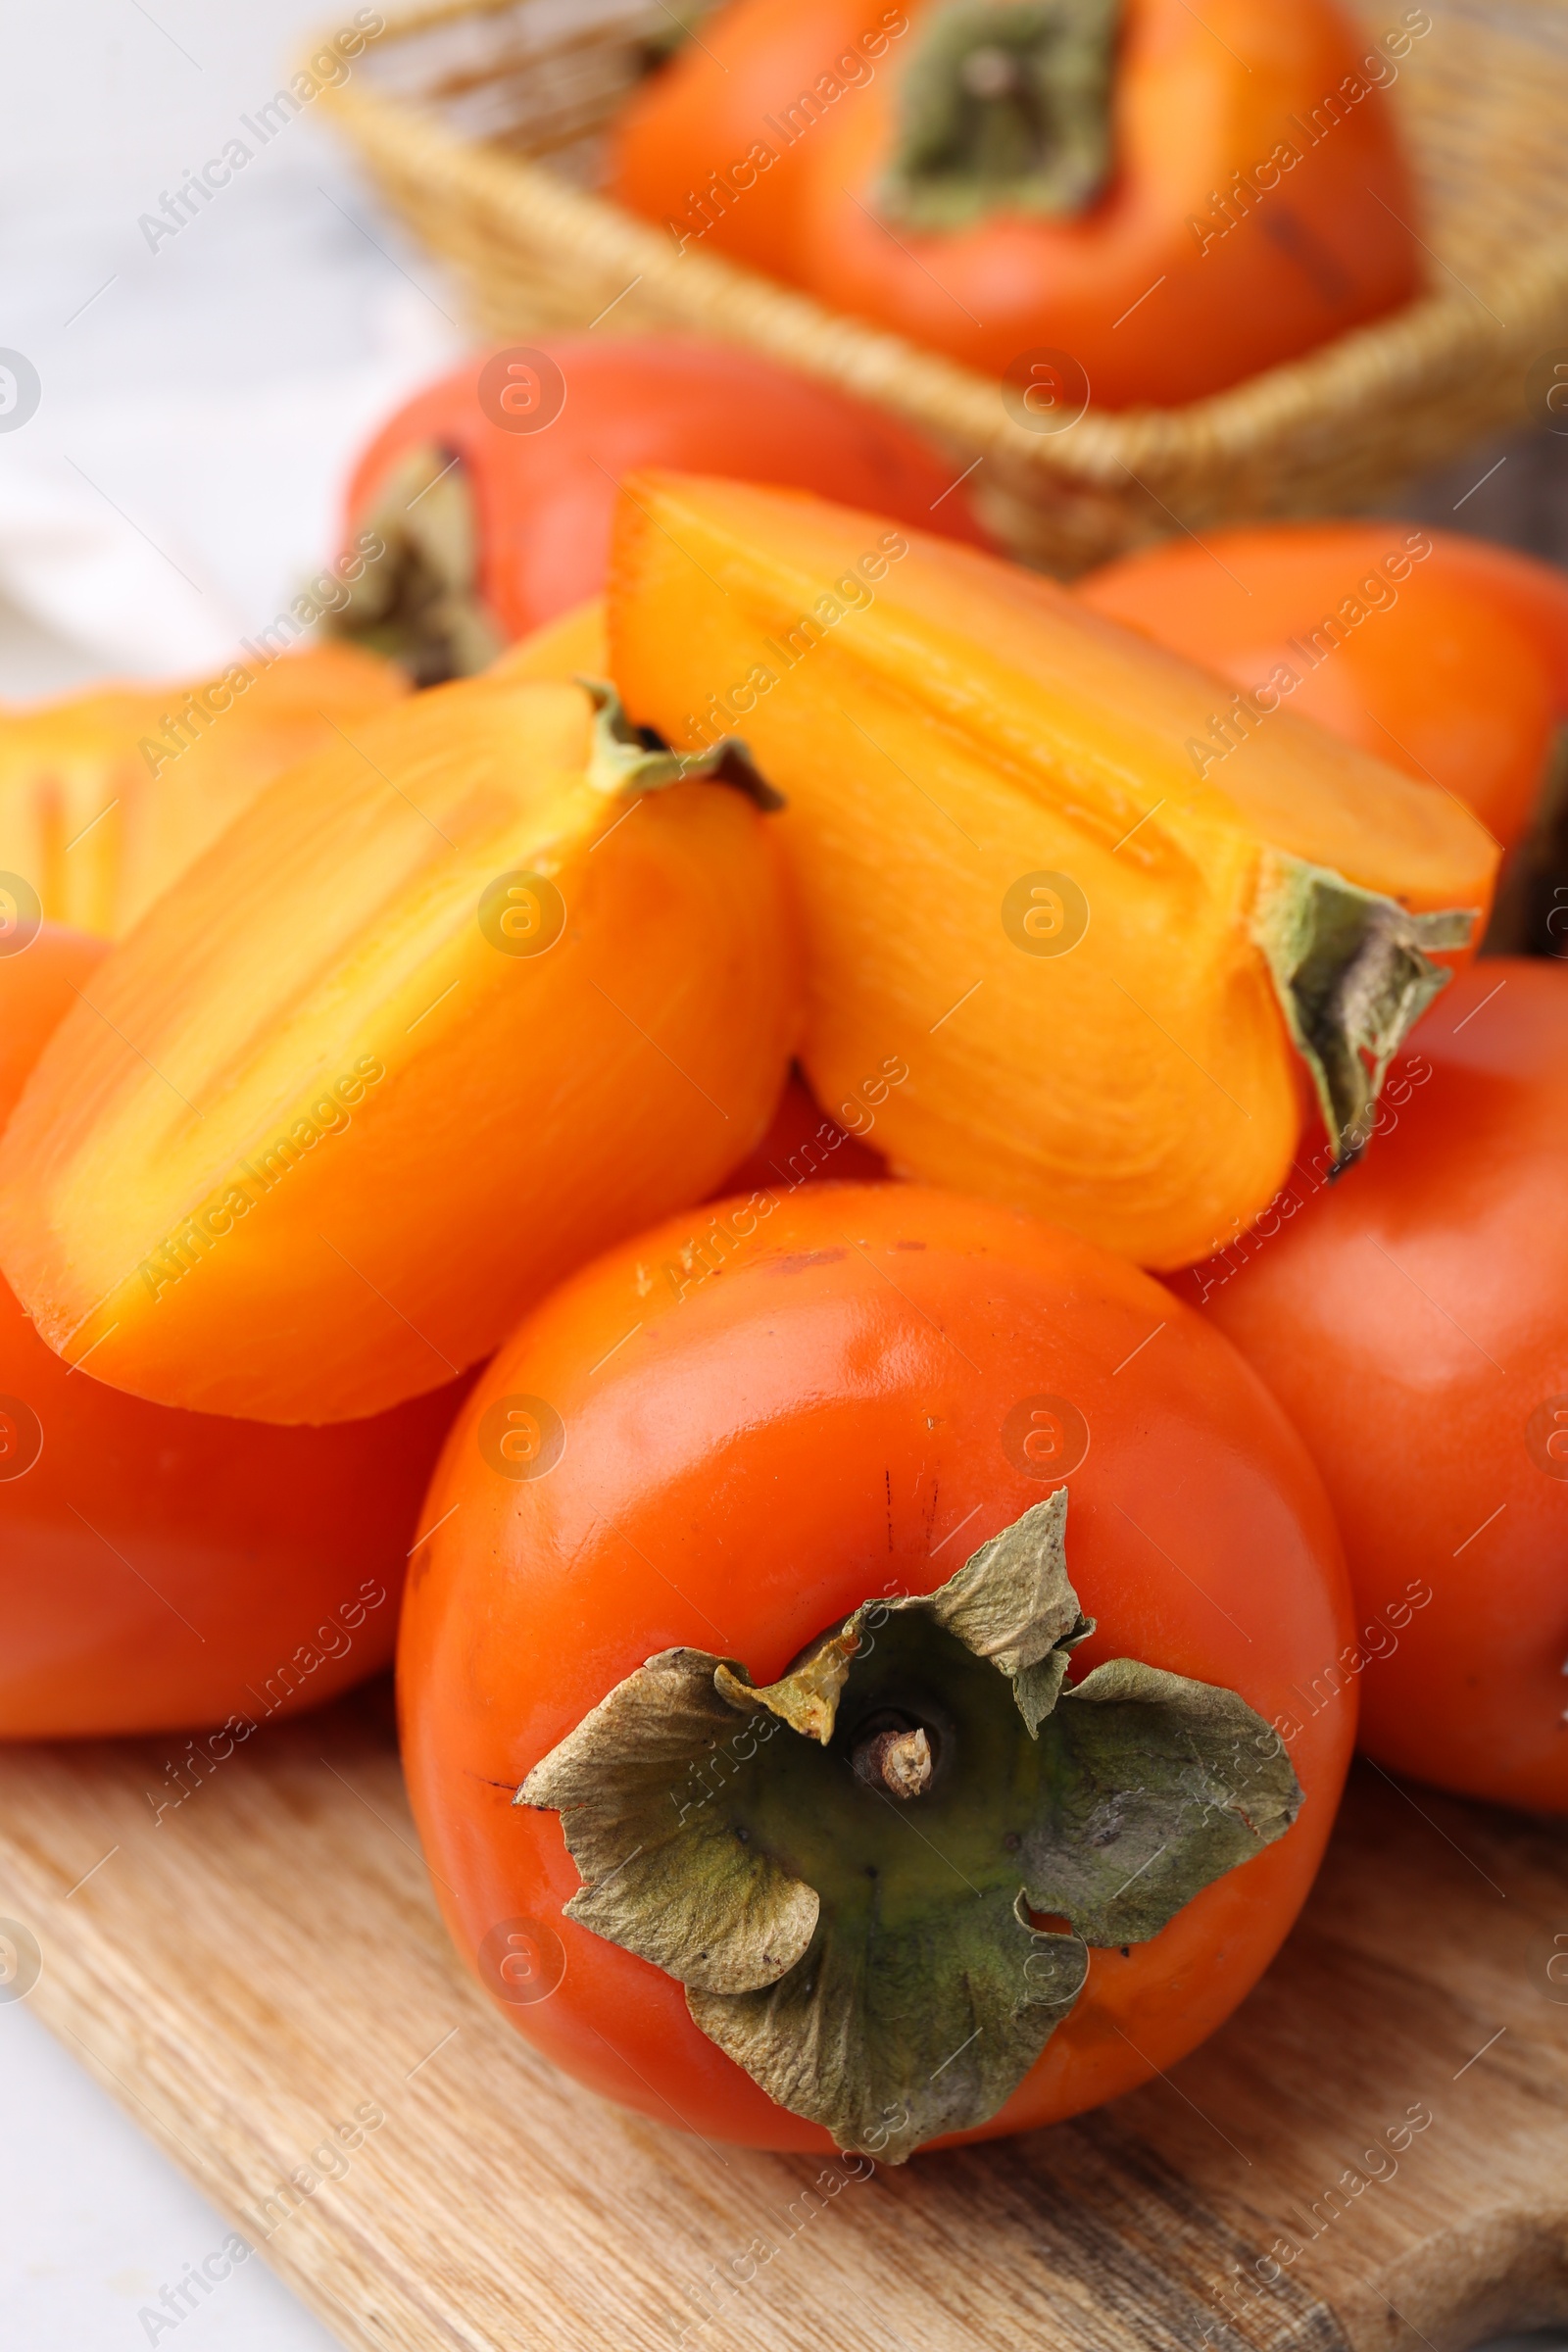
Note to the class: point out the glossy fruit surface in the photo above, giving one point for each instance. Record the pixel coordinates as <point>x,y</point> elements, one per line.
<point>108,798</point>
<point>1256,203</point>
<point>447,1009</point>
<point>713,147</point>
<point>487,548</point>
<point>1037,857</point>
<point>871,1382</point>
<point>1446,657</point>
<point>164,1571</point>
<point>1414,1322</point>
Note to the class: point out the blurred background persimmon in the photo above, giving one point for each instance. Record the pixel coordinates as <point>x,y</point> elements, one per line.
<point>492,531</point>
<point>1446,657</point>
<point>988,180</point>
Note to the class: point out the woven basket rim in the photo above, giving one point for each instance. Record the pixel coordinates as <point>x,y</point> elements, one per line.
<point>1438,333</point>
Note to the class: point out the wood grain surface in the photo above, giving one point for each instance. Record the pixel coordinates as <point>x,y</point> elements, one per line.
<point>262,1964</point>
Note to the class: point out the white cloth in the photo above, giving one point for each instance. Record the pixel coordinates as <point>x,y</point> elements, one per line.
<point>202,394</point>
<point>153,534</point>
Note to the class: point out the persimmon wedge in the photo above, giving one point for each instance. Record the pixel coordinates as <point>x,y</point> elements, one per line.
<point>449,1008</point>
<point>1110,958</point>
<point>107,798</point>
<point>1414,1326</point>
<point>38,985</point>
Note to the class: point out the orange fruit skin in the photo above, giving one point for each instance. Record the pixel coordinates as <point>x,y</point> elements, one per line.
<point>706,115</point>
<point>819,1418</point>
<point>805,1146</point>
<point>168,1571</point>
<point>1414,1322</point>
<point>1158,295</point>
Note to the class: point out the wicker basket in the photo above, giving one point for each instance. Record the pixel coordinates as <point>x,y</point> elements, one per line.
<point>482,120</point>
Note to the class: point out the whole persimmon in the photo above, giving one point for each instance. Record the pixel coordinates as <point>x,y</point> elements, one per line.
<point>805,1146</point>
<point>714,146</point>
<point>1438,653</point>
<point>1129,204</point>
<point>1414,1322</point>
<point>840,1684</point>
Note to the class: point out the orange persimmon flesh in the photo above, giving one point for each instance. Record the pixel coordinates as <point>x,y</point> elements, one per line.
<point>570,647</point>
<point>442,1015</point>
<point>106,799</point>
<point>37,988</point>
<point>947,729</point>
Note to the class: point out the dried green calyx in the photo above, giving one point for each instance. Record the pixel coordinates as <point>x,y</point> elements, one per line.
<point>418,603</point>
<point>1354,973</point>
<point>1005,106</point>
<point>627,760</point>
<point>841,1867</point>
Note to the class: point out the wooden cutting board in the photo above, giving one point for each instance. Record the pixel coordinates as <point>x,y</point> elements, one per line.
<point>264,1964</point>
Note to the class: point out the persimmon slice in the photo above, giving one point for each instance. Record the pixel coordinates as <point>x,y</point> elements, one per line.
<point>450,1008</point>
<point>107,798</point>
<point>1114,967</point>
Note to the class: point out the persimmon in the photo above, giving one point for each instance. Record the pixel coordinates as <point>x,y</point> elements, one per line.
<point>1111,917</point>
<point>1532,594</point>
<point>448,1007</point>
<point>1155,199</point>
<point>107,798</point>
<point>42,972</point>
<point>1443,656</point>
<point>910,1506</point>
<point>1414,1322</point>
<point>572,646</point>
<point>170,1571</point>
<point>713,146</point>
<point>493,489</point>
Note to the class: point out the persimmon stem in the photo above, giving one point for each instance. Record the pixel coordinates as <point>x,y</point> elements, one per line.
<point>897,1763</point>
